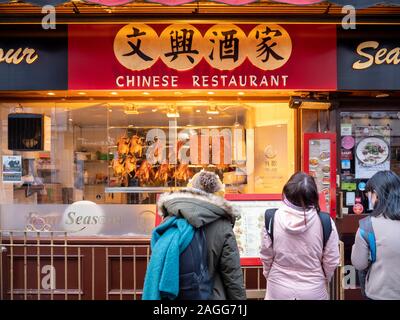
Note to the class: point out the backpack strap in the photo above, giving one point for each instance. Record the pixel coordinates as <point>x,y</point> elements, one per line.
<point>368,234</point>
<point>202,247</point>
<point>269,222</point>
<point>326,226</point>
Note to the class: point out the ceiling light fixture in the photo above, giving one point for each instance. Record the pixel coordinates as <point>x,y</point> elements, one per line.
<point>51,94</point>
<point>131,109</point>
<point>114,93</point>
<point>210,92</point>
<point>212,110</point>
<point>382,95</point>
<point>172,112</point>
<point>146,93</point>
<point>82,93</point>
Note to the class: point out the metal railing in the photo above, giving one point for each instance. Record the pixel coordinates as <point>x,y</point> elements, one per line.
<point>50,265</point>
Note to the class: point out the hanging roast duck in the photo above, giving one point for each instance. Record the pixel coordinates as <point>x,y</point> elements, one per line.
<point>145,172</point>
<point>123,145</point>
<point>136,146</point>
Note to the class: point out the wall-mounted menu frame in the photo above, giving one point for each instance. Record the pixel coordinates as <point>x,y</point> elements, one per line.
<point>319,161</point>
<point>248,229</point>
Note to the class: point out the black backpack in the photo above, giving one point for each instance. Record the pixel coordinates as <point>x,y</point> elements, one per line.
<point>323,216</point>
<point>194,279</point>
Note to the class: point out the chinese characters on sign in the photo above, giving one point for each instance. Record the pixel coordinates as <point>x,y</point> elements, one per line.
<point>225,47</point>
<point>182,46</point>
<point>137,47</point>
<point>272,47</point>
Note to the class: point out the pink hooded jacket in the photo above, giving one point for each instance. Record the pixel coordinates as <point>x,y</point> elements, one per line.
<point>296,266</point>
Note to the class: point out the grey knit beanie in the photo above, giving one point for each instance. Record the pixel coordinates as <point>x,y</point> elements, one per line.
<point>207,181</point>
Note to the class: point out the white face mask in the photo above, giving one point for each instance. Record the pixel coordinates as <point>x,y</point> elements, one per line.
<point>370,204</point>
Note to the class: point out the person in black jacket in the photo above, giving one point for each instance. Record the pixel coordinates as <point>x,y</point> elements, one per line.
<point>202,204</point>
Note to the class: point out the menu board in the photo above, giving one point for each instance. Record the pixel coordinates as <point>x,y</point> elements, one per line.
<point>248,229</point>
<point>320,168</point>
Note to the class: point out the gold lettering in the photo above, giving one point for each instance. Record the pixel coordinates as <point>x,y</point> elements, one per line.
<point>393,56</point>
<point>12,56</point>
<point>380,54</point>
<point>31,55</point>
<point>358,65</point>
<point>17,56</point>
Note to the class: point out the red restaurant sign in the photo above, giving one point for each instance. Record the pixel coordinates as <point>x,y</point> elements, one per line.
<point>202,56</point>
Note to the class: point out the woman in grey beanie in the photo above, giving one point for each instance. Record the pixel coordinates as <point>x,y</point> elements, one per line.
<point>202,204</point>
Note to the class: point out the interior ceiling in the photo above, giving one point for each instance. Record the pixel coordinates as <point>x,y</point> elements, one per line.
<point>149,96</point>
<point>93,114</point>
<point>77,10</point>
<point>176,96</point>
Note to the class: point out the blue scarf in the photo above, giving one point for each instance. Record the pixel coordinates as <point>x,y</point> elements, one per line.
<point>162,275</point>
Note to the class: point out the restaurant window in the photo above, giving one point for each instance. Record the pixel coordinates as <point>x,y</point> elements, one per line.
<point>369,142</point>
<point>103,164</point>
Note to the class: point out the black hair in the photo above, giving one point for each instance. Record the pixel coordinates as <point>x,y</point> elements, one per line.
<point>386,185</point>
<point>301,190</point>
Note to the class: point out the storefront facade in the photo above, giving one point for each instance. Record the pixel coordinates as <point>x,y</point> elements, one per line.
<point>131,110</point>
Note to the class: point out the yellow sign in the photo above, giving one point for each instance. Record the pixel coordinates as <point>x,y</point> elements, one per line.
<point>136,46</point>
<point>226,45</point>
<point>181,46</point>
<point>269,46</point>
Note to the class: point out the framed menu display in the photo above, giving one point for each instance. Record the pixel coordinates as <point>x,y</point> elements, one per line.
<point>320,163</point>
<point>248,229</point>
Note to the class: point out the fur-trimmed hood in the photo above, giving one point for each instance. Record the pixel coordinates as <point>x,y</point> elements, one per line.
<point>196,206</point>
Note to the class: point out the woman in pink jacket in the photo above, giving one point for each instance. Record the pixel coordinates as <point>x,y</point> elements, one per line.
<point>297,266</point>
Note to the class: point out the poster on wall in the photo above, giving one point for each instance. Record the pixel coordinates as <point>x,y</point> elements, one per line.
<point>270,158</point>
<point>372,150</point>
<point>12,169</point>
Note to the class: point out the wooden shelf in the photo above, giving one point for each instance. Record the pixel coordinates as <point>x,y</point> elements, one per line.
<point>96,161</point>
